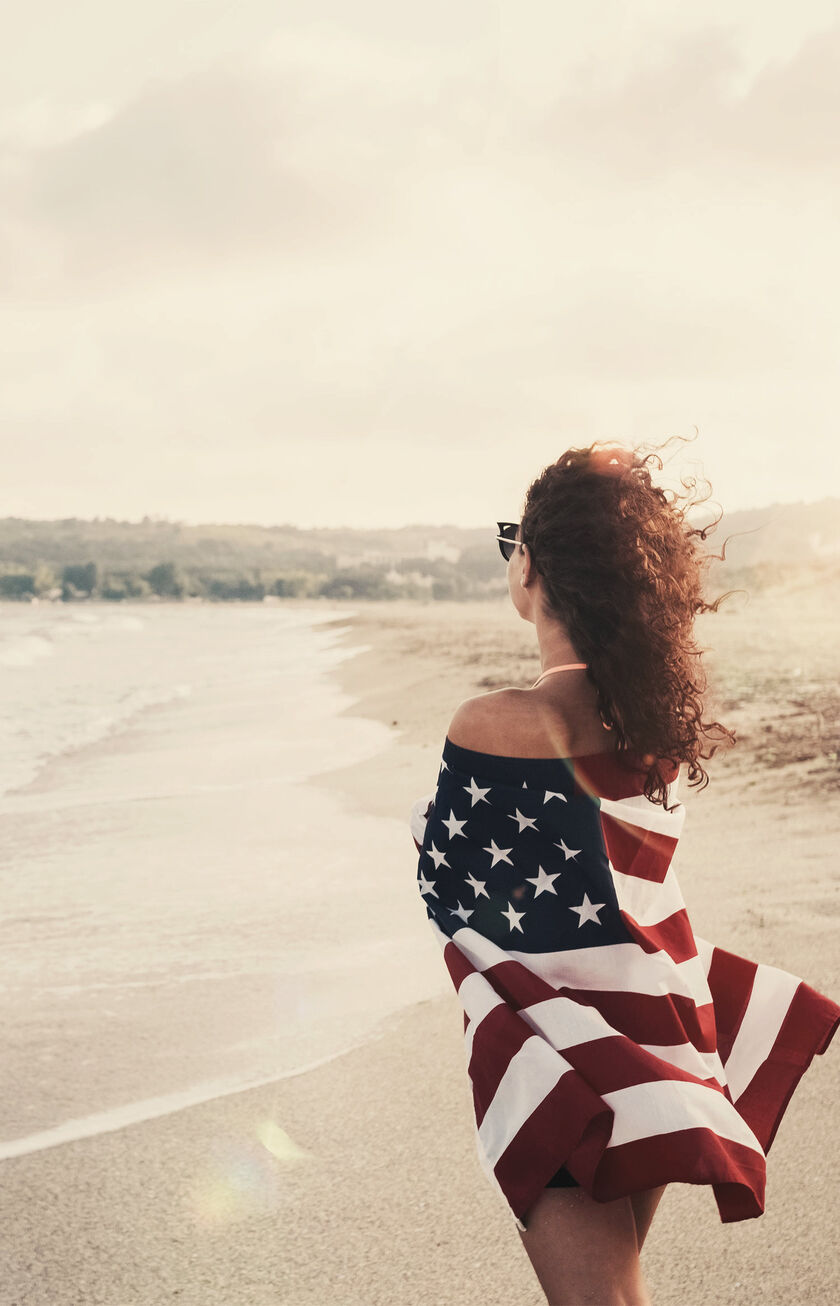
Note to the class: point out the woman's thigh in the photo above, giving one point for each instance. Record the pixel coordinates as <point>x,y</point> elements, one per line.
<point>644,1208</point>
<point>587,1251</point>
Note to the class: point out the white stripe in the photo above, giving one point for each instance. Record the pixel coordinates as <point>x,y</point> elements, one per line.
<point>668,1105</point>
<point>640,811</point>
<point>685,1056</point>
<point>567,1024</point>
<point>442,938</point>
<point>621,967</point>
<point>645,900</point>
<point>771,996</point>
<point>478,998</point>
<point>705,952</point>
<point>616,967</point>
<point>530,1076</point>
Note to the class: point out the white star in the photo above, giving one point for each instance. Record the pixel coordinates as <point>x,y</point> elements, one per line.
<point>427,886</point>
<point>439,859</point>
<point>524,784</point>
<point>524,821</point>
<point>513,918</point>
<point>464,912</point>
<point>568,852</point>
<point>454,827</point>
<point>477,886</point>
<point>476,794</point>
<point>549,795</point>
<point>543,881</point>
<point>498,854</point>
<point>588,911</point>
<point>444,766</point>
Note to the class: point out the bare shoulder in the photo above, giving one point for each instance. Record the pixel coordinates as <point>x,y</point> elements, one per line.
<point>481,723</point>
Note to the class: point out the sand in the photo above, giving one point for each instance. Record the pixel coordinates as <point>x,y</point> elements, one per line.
<point>357,1182</point>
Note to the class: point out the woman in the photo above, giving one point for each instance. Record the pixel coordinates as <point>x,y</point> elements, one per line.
<point>610,1050</point>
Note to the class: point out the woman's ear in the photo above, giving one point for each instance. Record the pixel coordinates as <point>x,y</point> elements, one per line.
<point>527,566</point>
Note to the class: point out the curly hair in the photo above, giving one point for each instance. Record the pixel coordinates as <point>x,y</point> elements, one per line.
<point>622,569</point>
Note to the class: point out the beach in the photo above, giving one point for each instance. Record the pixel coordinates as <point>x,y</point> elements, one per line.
<point>355,1182</point>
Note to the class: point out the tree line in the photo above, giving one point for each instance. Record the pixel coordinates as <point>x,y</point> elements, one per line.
<point>416,578</point>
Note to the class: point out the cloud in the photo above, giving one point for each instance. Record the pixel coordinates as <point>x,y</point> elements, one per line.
<point>679,112</point>
<point>328,148</point>
<point>189,169</point>
<point>310,147</point>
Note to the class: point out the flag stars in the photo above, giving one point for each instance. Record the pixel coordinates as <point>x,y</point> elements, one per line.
<point>524,822</point>
<point>427,886</point>
<point>454,826</point>
<point>513,918</point>
<point>544,883</point>
<point>588,911</point>
<point>567,852</point>
<point>438,858</point>
<point>498,854</point>
<point>464,912</point>
<point>476,794</point>
<point>549,795</point>
<point>477,886</point>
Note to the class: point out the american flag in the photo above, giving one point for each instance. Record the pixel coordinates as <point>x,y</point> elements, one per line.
<point>600,1033</point>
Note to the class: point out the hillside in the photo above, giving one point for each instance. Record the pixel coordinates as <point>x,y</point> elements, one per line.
<point>107,558</point>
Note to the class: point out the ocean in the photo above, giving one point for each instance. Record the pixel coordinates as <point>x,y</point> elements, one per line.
<point>187,908</point>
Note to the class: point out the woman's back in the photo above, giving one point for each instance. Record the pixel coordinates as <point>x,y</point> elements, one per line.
<point>550,721</point>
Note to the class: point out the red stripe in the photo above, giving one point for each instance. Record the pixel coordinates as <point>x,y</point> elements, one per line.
<point>457,964</point>
<point>805,1032</point>
<point>611,1062</point>
<point>518,986</point>
<point>674,935</point>
<point>616,1062</point>
<point>730,981</point>
<point>497,1039</point>
<point>610,776</point>
<point>691,1156</point>
<point>647,854</point>
<point>646,1017</point>
<point>688,1156</point>
<point>568,1116</point>
<point>654,1018</point>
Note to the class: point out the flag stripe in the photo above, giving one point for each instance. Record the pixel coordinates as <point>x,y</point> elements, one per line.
<point>663,1018</point>
<point>692,1156</point>
<point>647,901</point>
<point>659,1107</point>
<point>806,1031</point>
<point>530,1074</point>
<point>570,1118</point>
<point>673,935</point>
<point>770,997</point>
<point>634,851</point>
<point>613,966</point>
<point>730,980</point>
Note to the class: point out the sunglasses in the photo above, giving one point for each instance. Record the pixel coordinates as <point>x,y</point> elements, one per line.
<point>507,538</point>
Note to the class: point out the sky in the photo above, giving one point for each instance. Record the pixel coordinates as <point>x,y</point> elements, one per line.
<point>346,263</point>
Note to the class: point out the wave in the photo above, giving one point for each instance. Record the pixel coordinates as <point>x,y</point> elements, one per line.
<point>152,1108</point>
<point>106,724</point>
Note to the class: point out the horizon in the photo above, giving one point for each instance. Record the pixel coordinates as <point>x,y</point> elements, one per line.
<point>163,519</point>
